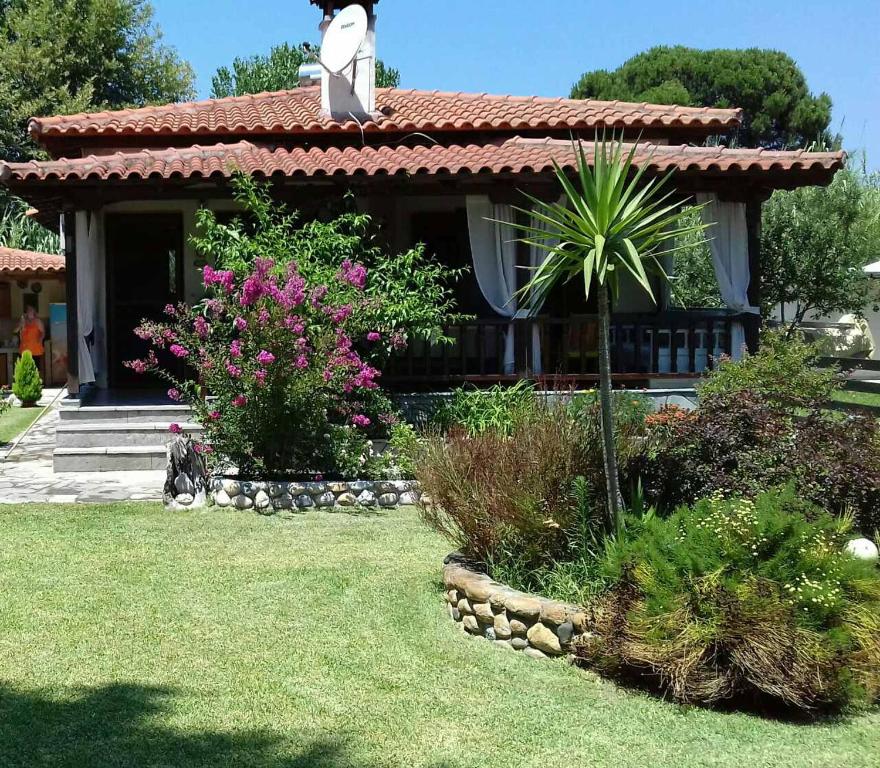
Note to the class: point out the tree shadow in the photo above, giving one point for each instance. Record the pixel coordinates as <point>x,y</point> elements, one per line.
<point>120,725</point>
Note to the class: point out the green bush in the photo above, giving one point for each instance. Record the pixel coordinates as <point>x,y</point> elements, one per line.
<point>783,372</point>
<point>27,384</point>
<point>499,408</point>
<point>741,600</point>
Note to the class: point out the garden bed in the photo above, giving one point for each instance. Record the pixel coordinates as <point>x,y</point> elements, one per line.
<point>275,496</point>
<point>522,622</point>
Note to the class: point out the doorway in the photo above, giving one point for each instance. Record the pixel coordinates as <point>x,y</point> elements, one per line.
<point>144,273</point>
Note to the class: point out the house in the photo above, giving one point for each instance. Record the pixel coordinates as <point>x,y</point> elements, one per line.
<point>431,167</point>
<point>28,278</point>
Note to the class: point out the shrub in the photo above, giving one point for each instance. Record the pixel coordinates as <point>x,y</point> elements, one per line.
<point>27,384</point>
<point>291,337</point>
<point>498,495</point>
<point>741,600</point>
<point>740,443</point>
<point>499,408</point>
<point>528,491</point>
<point>783,372</point>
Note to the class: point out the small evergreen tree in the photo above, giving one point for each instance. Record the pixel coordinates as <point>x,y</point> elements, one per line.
<point>27,384</point>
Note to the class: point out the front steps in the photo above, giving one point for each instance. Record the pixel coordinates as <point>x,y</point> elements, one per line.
<point>113,438</point>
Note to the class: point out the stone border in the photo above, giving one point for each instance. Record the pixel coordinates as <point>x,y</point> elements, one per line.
<point>535,625</point>
<point>270,497</point>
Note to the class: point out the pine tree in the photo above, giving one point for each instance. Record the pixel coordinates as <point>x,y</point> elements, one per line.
<point>27,384</point>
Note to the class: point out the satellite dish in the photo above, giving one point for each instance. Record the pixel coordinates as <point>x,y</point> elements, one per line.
<point>343,38</point>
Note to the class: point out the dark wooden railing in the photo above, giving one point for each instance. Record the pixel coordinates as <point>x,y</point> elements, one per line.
<point>675,343</point>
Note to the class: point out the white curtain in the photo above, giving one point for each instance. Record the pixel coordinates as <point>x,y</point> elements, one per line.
<point>493,249</point>
<point>537,256</point>
<point>729,244</point>
<point>87,224</point>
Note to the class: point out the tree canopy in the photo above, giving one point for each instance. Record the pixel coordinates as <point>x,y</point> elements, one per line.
<point>65,56</point>
<point>779,109</point>
<point>277,71</point>
<point>815,243</point>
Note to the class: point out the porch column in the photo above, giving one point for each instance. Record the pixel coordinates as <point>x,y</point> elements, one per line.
<point>68,225</point>
<point>752,326</point>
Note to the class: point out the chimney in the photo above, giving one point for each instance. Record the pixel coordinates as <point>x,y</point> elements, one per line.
<point>351,93</point>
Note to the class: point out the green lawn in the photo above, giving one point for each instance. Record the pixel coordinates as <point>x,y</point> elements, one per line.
<point>857,398</point>
<point>15,421</point>
<point>134,637</point>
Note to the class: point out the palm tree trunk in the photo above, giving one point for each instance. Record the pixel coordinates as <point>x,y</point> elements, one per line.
<point>612,480</point>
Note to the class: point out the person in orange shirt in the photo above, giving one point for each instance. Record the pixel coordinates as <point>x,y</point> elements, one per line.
<point>31,332</point>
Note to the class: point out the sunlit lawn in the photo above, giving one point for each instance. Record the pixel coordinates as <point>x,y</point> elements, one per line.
<point>134,637</point>
<point>15,421</point>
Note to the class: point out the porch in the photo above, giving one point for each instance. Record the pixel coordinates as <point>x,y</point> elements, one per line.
<point>563,351</point>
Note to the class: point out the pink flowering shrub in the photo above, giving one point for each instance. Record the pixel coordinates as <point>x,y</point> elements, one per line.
<point>283,354</point>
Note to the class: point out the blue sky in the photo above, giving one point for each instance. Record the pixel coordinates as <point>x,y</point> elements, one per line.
<point>524,48</point>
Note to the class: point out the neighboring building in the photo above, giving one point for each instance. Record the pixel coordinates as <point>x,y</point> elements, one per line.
<point>32,279</point>
<point>431,167</point>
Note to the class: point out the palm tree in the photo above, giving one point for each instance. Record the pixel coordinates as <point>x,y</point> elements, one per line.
<point>612,221</point>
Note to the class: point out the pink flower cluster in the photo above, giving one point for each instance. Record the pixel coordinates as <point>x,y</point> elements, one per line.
<point>355,274</point>
<point>225,278</point>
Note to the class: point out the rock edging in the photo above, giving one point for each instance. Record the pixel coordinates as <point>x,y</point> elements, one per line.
<point>271,497</point>
<point>515,620</point>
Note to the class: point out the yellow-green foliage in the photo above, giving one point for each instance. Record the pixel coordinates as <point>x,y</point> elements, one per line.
<point>743,600</point>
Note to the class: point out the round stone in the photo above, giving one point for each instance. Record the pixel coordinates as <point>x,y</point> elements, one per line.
<point>277,489</point>
<point>454,613</point>
<point>409,498</point>
<point>262,500</point>
<point>304,501</point>
<point>483,612</point>
<point>464,606</point>
<point>338,488</point>
<point>470,624</point>
<point>502,627</point>
<point>221,498</point>
<point>184,498</point>
<point>523,606</point>
<point>505,644</point>
<point>862,549</point>
<point>249,489</point>
<point>284,501</point>
<point>544,639</point>
<point>315,489</point>
<point>357,486</point>
<point>366,498</point>
<point>452,596</point>
<point>518,628</point>
<point>183,484</point>
<point>489,633</point>
<point>232,488</point>
<point>325,500</point>
<point>346,499</point>
<point>535,653</point>
<point>243,502</point>
<point>388,500</point>
<point>565,632</point>
<point>519,643</point>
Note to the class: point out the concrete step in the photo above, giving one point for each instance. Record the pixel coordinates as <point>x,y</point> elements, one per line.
<point>109,433</point>
<point>162,414</point>
<point>109,459</point>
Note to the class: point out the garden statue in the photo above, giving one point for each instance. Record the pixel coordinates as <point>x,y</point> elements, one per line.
<point>185,486</point>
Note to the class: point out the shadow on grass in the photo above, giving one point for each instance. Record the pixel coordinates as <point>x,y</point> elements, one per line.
<point>121,725</point>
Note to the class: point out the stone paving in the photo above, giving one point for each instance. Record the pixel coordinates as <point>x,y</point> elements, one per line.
<point>26,474</point>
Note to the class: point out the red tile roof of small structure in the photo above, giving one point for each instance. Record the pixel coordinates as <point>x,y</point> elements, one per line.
<point>514,155</point>
<point>298,111</point>
<point>14,260</point>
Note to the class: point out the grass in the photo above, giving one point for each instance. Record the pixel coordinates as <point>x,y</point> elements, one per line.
<point>130,636</point>
<point>857,398</point>
<point>15,421</point>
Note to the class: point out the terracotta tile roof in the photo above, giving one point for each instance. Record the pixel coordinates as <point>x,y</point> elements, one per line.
<point>14,260</point>
<point>298,111</point>
<point>515,155</point>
